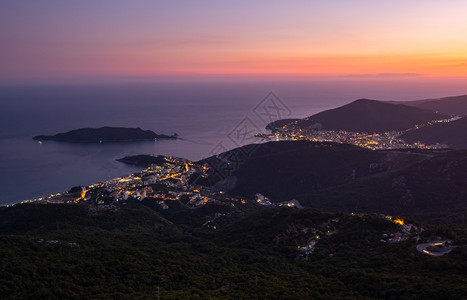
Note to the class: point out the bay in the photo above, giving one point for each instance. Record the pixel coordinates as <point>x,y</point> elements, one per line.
<point>202,113</point>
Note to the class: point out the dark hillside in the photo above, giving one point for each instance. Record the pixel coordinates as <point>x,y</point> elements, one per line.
<point>452,134</point>
<point>339,177</point>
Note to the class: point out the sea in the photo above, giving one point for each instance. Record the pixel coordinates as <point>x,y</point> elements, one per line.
<point>207,114</point>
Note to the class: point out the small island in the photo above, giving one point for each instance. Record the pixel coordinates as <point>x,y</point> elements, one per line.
<point>105,134</point>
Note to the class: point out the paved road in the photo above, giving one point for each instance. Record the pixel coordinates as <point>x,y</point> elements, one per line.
<point>423,248</point>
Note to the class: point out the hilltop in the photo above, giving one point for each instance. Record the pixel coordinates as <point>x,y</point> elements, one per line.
<point>280,169</point>
<point>104,134</point>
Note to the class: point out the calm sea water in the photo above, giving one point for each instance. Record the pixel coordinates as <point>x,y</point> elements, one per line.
<point>202,113</point>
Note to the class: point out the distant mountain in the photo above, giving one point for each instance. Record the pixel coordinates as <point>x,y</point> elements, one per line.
<point>370,116</point>
<point>451,134</point>
<point>456,105</point>
<point>105,134</point>
<point>341,177</point>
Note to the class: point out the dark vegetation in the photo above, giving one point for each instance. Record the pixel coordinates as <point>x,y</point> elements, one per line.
<point>452,134</point>
<point>80,252</point>
<point>105,134</point>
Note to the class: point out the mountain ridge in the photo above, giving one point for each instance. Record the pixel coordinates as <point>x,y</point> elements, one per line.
<point>370,116</point>
<point>452,105</point>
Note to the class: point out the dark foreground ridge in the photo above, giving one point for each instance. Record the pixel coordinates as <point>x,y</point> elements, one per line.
<point>136,250</point>
<point>105,134</point>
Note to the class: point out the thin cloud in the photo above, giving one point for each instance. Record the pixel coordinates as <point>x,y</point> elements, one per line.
<point>383,75</point>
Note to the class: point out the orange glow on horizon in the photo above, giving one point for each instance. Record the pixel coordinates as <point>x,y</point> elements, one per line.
<point>289,65</point>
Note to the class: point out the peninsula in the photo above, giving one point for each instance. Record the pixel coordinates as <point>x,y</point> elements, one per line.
<point>144,160</point>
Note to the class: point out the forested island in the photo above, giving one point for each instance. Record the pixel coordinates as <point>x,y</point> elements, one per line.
<point>105,134</point>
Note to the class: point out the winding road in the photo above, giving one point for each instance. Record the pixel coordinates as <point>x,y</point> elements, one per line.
<point>442,251</point>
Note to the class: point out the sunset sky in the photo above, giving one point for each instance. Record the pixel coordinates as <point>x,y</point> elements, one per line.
<point>46,40</point>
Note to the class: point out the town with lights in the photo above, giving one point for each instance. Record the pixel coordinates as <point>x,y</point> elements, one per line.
<point>373,141</point>
<point>169,181</point>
